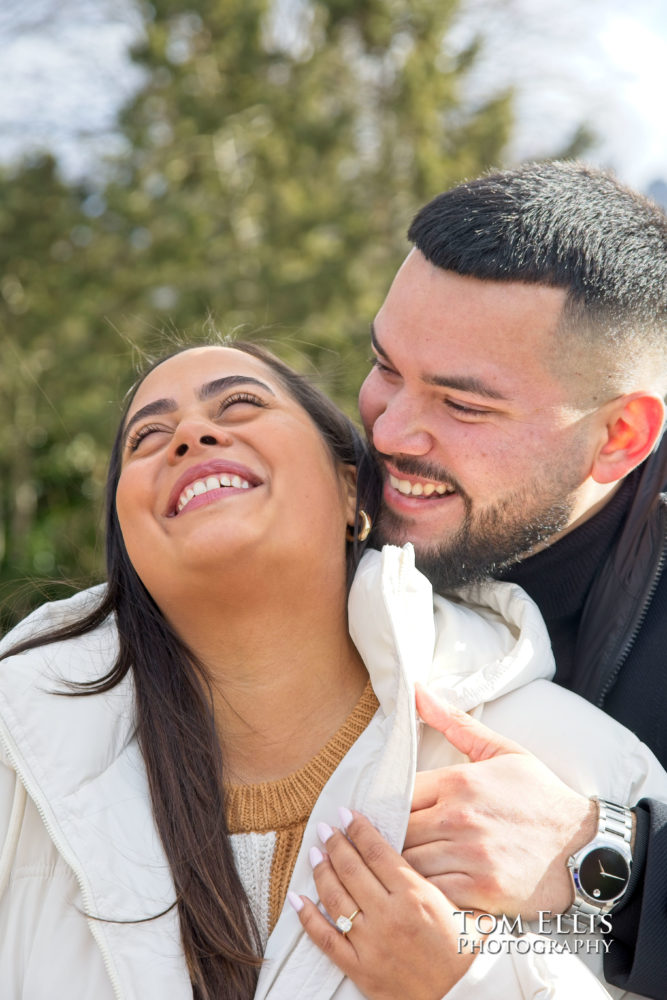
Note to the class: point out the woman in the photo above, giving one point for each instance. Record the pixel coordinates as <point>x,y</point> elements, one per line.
<point>232,488</point>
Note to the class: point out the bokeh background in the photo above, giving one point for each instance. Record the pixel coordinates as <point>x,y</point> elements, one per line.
<point>253,165</point>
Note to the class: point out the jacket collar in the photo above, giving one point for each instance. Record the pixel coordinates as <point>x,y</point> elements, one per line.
<point>621,591</point>
<point>481,642</point>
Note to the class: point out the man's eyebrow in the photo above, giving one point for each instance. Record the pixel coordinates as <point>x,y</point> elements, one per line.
<point>464,383</point>
<point>376,343</point>
<point>206,391</point>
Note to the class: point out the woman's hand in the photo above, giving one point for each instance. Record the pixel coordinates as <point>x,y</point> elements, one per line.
<point>404,939</point>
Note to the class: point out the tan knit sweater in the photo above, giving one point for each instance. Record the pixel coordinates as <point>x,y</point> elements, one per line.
<point>266,821</point>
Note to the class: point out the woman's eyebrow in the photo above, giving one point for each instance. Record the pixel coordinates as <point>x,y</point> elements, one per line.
<point>153,409</point>
<point>218,385</point>
<point>206,391</point>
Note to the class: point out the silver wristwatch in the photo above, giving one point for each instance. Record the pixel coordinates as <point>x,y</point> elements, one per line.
<point>601,869</point>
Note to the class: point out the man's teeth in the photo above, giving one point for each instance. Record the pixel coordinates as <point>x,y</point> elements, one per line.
<point>210,483</point>
<point>419,489</point>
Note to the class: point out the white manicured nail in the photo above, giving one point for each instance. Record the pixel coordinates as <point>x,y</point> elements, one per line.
<point>316,857</point>
<point>295,901</point>
<point>346,816</point>
<point>324,831</point>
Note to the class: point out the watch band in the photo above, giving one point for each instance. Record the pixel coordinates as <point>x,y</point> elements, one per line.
<point>614,833</point>
<point>615,820</point>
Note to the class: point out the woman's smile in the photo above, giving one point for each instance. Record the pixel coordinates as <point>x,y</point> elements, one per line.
<point>214,428</point>
<point>210,481</point>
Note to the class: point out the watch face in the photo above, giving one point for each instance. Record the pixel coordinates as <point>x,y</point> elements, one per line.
<point>603,874</point>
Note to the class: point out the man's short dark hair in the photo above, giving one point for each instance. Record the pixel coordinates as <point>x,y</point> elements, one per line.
<point>566,225</point>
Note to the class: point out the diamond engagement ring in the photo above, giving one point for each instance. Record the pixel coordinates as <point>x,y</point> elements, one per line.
<point>344,924</point>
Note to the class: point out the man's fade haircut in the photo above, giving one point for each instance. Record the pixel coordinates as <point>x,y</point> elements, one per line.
<point>565,225</point>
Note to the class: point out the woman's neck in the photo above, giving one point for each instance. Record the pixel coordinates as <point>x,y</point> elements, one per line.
<point>284,675</point>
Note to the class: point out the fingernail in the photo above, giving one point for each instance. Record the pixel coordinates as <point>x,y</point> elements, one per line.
<point>295,901</point>
<point>324,831</point>
<point>316,857</point>
<point>346,816</point>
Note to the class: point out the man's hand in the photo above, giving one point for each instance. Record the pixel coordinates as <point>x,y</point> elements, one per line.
<point>494,834</point>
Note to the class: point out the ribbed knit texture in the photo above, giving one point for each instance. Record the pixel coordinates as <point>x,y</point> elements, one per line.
<point>267,820</point>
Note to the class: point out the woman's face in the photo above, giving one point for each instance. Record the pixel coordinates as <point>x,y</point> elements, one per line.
<point>225,475</point>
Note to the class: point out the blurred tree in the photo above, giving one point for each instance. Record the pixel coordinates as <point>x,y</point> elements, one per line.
<point>56,382</point>
<point>273,160</point>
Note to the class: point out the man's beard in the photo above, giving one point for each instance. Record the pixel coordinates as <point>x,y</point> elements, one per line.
<point>490,540</point>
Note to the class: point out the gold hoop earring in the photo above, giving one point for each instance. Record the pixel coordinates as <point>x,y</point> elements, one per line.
<point>364,531</point>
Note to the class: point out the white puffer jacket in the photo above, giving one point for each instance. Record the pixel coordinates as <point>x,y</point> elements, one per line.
<point>79,837</point>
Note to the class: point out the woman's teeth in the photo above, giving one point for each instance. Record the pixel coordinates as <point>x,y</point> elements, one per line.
<point>210,483</point>
<point>419,489</point>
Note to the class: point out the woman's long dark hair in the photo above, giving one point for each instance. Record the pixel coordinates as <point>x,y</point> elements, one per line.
<point>176,726</point>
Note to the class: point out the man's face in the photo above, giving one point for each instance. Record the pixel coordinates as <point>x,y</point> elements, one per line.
<point>485,455</point>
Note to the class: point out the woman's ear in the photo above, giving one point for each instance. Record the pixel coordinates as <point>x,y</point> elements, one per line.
<point>348,479</point>
<point>634,424</point>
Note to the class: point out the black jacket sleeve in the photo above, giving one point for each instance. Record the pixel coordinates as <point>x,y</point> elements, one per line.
<point>637,957</point>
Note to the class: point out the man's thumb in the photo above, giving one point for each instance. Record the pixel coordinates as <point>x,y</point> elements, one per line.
<point>469,736</point>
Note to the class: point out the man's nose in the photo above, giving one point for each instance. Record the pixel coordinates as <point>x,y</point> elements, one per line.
<point>399,429</point>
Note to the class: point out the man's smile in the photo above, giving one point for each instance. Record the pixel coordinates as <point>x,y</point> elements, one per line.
<point>416,488</point>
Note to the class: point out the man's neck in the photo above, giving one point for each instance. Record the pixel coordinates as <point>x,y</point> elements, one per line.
<point>590,511</point>
<point>560,576</point>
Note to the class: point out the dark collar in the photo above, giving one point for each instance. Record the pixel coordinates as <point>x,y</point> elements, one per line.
<point>559,577</point>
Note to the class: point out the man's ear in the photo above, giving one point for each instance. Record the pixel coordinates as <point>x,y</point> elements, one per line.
<point>348,480</point>
<point>633,426</point>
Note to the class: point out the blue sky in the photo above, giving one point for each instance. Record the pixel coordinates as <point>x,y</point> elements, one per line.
<point>604,60</point>
<point>638,48</point>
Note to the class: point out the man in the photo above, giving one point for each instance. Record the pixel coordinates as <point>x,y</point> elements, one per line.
<point>516,404</point>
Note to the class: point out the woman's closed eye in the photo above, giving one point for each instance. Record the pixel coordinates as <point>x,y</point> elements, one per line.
<point>135,439</point>
<point>249,398</point>
<point>240,397</point>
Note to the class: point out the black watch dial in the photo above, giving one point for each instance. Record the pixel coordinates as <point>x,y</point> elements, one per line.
<point>604,874</point>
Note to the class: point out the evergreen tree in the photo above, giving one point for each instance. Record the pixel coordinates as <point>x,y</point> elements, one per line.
<point>54,382</point>
<point>275,157</point>
<point>274,165</point>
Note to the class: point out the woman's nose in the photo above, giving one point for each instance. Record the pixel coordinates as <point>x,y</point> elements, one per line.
<point>192,436</point>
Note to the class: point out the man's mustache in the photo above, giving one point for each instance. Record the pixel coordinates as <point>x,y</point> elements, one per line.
<point>411,466</point>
